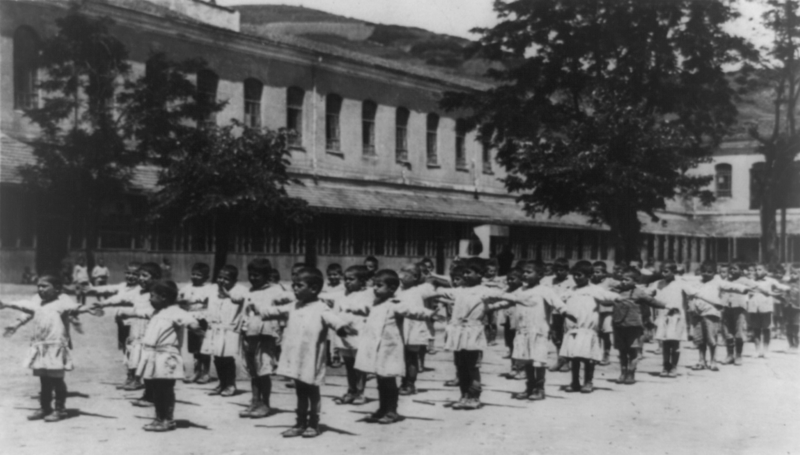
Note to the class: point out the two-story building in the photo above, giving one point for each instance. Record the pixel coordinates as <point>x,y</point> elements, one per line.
<point>388,173</point>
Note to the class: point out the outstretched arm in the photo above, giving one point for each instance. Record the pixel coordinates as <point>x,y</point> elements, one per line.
<point>10,330</point>
<point>17,306</point>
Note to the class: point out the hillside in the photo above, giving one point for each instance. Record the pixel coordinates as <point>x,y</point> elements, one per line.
<point>407,45</point>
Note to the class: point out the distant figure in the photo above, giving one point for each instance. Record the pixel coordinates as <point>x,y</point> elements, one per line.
<point>28,277</point>
<point>166,269</point>
<point>100,273</point>
<point>80,278</point>
<point>504,260</point>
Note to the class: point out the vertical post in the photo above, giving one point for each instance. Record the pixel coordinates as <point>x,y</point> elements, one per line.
<point>784,253</point>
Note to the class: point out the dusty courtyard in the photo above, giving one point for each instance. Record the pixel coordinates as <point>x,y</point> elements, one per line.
<point>753,409</point>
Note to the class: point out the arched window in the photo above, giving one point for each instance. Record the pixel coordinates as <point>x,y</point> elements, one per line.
<point>294,115</point>
<point>461,144</point>
<point>368,110</point>
<point>252,102</point>
<point>432,139</point>
<point>723,180</point>
<point>333,109</point>
<point>401,134</point>
<point>26,64</point>
<point>207,82</point>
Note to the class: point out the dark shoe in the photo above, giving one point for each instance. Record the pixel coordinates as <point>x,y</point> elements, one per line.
<point>294,432</point>
<point>39,414</point>
<point>574,387</point>
<point>606,360</point>
<point>521,395</point>
<point>260,411</point>
<point>216,391</point>
<point>247,412</point>
<point>311,432</point>
<point>472,404</point>
<point>537,395</point>
<point>128,383</point>
<point>140,403</point>
<point>587,388</point>
<point>451,383</point>
<point>134,385</point>
<point>152,425</point>
<point>460,404</point>
<point>171,424</point>
<point>408,390</point>
<point>161,426</point>
<point>359,400</point>
<point>55,416</point>
<point>664,374</point>
<point>622,375</point>
<point>203,379</point>
<point>728,361</point>
<point>228,391</point>
<point>713,367</point>
<point>631,378</point>
<point>374,417</point>
<point>390,417</point>
<point>347,398</point>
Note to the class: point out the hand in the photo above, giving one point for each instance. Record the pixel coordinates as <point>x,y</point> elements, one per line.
<point>9,331</point>
<point>346,331</point>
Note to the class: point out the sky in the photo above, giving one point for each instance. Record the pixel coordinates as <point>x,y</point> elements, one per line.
<point>457,17</point>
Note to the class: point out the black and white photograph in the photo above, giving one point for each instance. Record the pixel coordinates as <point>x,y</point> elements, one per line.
<point>437,227</point>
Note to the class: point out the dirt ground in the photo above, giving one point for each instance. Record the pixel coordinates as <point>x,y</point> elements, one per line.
<point>753,409</point>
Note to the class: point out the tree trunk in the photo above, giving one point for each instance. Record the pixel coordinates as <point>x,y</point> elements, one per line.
<point>222,235</point>
<point>626,233</point>
<point>769,230</point>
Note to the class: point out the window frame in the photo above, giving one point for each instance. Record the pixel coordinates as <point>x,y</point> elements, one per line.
<point>369,111</point>
<point>432,139</point>
<point>333,133</point>
<point>294,115</point>
<point>402,116</point>
<point>722,170</point>
<point>253,92</point>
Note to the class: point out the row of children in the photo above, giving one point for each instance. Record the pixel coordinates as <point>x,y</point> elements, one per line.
<point>380,322</point>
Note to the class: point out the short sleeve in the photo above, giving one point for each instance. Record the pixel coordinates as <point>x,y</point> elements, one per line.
<point>331,319</point>
<point>183,318</point>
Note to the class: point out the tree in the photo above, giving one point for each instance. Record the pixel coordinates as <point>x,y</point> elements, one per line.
<point>81,159</point>
<point>229,176</point>
<point>780,147</point>
<point>605,106</point>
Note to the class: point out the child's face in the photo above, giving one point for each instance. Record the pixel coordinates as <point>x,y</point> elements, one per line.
<point>371,265</point>
<point>723,273</point>
<point>145,280</point>
<point>352,283</point>
<point>548,269</point>
<point>751,272</point>
<point>734,272</point>
<point>334,277</point>
<point>198,277</point>
<point>667,273</point>
<point>47,292</point>
<point>101,262</point>
<point>514,280</point>
<point>131,277</point>
<point>382,289</point>
<point>225,280</point>
<point>472,277</point>
<point>761,271</point>
<point>158,301</point>
<point>628,282</point>
<point>426,268</point>
<point>408,278</point>
<point>458,281</point>
<point>580,279</point>
<point>303,291</point>
<point>707,273</point>
<point>274,277</point>
<point>491,271</point>
<point>295,271</point>
<point>561,272</point>
<point>600,274</point>
<point>530,275</point>
<point>257,279</point>
<point>617,270</point>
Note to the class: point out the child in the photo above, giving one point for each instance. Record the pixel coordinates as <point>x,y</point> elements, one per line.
<point>303,357</point>
<point>161,362</point>
<point>793,311</point>
<point>416,334</point>
<point>275,277</point>
<point>561,283</point>
<point>356,296</point>
<point>194,298</point>
<point>80,278</point>
<point>734,315</point>
<point>222,339</point>
<point>371,262</point>
<point>28,277</point>
<point>706,304</point>
<point>760,308</point>
<point>261,338</point>
<point>581,341</point>
<point>49,354</point>
<point>601,278</point>
<point>147,274</point>
<point>465,334</point>
<point>334,284</point>
<point>490,279</point>
<point>671,322</point>
<point>456,281</point>
<point>508,318</point>
<point>100,273</point>
<point>627,322</point>
<point>380,345</point>
<point>531,342</point>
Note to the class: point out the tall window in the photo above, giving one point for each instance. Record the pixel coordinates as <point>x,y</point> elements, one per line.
<point>26,60</point>
<point>294,115</point>
<point>486,158</point>
<point>723,180</point>
<point>333,108</point>
<point>461,144</point>
<point>432,139</point>
<point>401,135</point>
<point>207,82</point>
<point>368,110</point>
<point>252,102</point>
